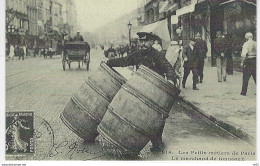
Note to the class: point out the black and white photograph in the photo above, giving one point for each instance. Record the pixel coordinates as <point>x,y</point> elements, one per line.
<point>130,80</point>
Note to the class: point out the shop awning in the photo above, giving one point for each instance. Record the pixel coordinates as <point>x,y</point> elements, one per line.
<point>159,28</point>
<point>174,19</point>
<point>173,7</point>
<point>182,11</point>
<point>186,9</point>
<point>169,7</point>
<point>165,4</point>
<point>229,1</point>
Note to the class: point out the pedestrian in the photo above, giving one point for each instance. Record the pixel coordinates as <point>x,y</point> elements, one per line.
<point>127,50</point>
<point>157,46</point>
<point>24,49</point>
<point>36,51</point>
<point>173,56</point>
<point>220,54</point>
<point>16,51</point>
<point>11,53</point>
<point>20,52</point>
<point>228,44</point>
<point>134,47</point>
<point>190,64</point>
<point>150,57</point>
<point>201,50</point>
<point>248,61</point>
<point>111,52</point>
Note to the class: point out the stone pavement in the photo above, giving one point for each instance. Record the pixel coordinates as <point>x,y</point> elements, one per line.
<point>222,103</point>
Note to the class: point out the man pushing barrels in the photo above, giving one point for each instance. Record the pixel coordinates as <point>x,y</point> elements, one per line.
<point>156,61</point>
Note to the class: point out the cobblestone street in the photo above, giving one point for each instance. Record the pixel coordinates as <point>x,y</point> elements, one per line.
<point>41,86</point>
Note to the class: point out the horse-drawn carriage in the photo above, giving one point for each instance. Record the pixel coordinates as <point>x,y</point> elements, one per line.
<point>76,51</point>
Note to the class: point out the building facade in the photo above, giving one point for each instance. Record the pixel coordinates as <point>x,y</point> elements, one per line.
<point>234,17</point>
<point>36,21</point>
<point>69,17</point>
<point>17,20</point>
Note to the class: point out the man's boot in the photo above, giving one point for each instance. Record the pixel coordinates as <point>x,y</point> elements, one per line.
<point>195,88</point>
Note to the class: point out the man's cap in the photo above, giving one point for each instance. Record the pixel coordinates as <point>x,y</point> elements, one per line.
<point>147,36</point>
<point>197,34</point>
<point>174,42</point>
<point>248,35</point>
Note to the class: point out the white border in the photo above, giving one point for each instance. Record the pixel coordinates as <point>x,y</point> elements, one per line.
<point>96,163</point>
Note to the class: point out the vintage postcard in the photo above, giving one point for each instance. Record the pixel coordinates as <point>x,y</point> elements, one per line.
<point>139,80</point>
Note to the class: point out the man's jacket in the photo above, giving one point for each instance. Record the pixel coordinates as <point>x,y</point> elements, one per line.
<point>150,58</point>
<point>191,56</point>
<point>201,48</point>
<point>219,46</point>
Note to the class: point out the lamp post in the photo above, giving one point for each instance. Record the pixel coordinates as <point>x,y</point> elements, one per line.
<point>129,28</point>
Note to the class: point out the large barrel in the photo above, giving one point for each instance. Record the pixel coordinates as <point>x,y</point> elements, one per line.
<point>86,108</point>
<point>138,111</point>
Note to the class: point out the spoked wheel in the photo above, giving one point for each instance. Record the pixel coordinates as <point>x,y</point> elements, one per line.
<point>87,65</point>
<point>63,64</point>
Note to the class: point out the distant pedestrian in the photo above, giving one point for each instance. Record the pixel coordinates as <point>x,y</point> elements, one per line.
<point>157,46</point>
<point>11,53</point>
<point>248,61</point>
<point>228,44</point>
<point>21,52</point>
<point>24,50</point>
<point>111,52</point>
<point>134,47</point>
<point>173,57</point>
<point>220,54</point>
<point>201,50</point>
<point>190,64</point>
<point>36,51</point>
<point>127,49</point>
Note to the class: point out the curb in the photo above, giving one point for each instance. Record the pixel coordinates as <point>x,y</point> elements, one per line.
<point>223,125</point>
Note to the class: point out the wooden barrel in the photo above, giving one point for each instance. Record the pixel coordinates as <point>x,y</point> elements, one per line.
<point>138,111</point>
<point>87,106</point>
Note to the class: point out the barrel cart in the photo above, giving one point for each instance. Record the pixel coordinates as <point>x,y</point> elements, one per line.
<point>76,51</point>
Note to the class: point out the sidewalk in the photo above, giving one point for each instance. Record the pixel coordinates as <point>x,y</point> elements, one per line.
<point>222,103</point>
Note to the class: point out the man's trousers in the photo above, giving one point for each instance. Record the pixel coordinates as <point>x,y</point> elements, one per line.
<point>221,68</point>
<point>249,69</point>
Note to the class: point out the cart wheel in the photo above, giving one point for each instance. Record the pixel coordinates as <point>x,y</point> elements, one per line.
<point>63,64</point>
<point>87,66</point>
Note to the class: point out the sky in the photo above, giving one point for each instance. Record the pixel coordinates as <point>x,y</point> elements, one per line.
<point>93,14</point>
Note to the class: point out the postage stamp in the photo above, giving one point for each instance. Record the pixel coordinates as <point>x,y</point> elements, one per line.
<point>19,133</point>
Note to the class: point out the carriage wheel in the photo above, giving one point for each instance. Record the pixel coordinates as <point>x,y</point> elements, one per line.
<point>63,64</point>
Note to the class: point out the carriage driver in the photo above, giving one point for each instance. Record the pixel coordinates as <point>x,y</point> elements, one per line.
<point>78,37</point>
<point>153,59</point>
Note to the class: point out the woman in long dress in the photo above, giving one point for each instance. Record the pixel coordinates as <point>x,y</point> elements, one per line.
<point>14,131</point>
<point>11,53</point>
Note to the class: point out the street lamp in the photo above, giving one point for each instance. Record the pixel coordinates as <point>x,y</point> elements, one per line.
<point>129,28</point>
